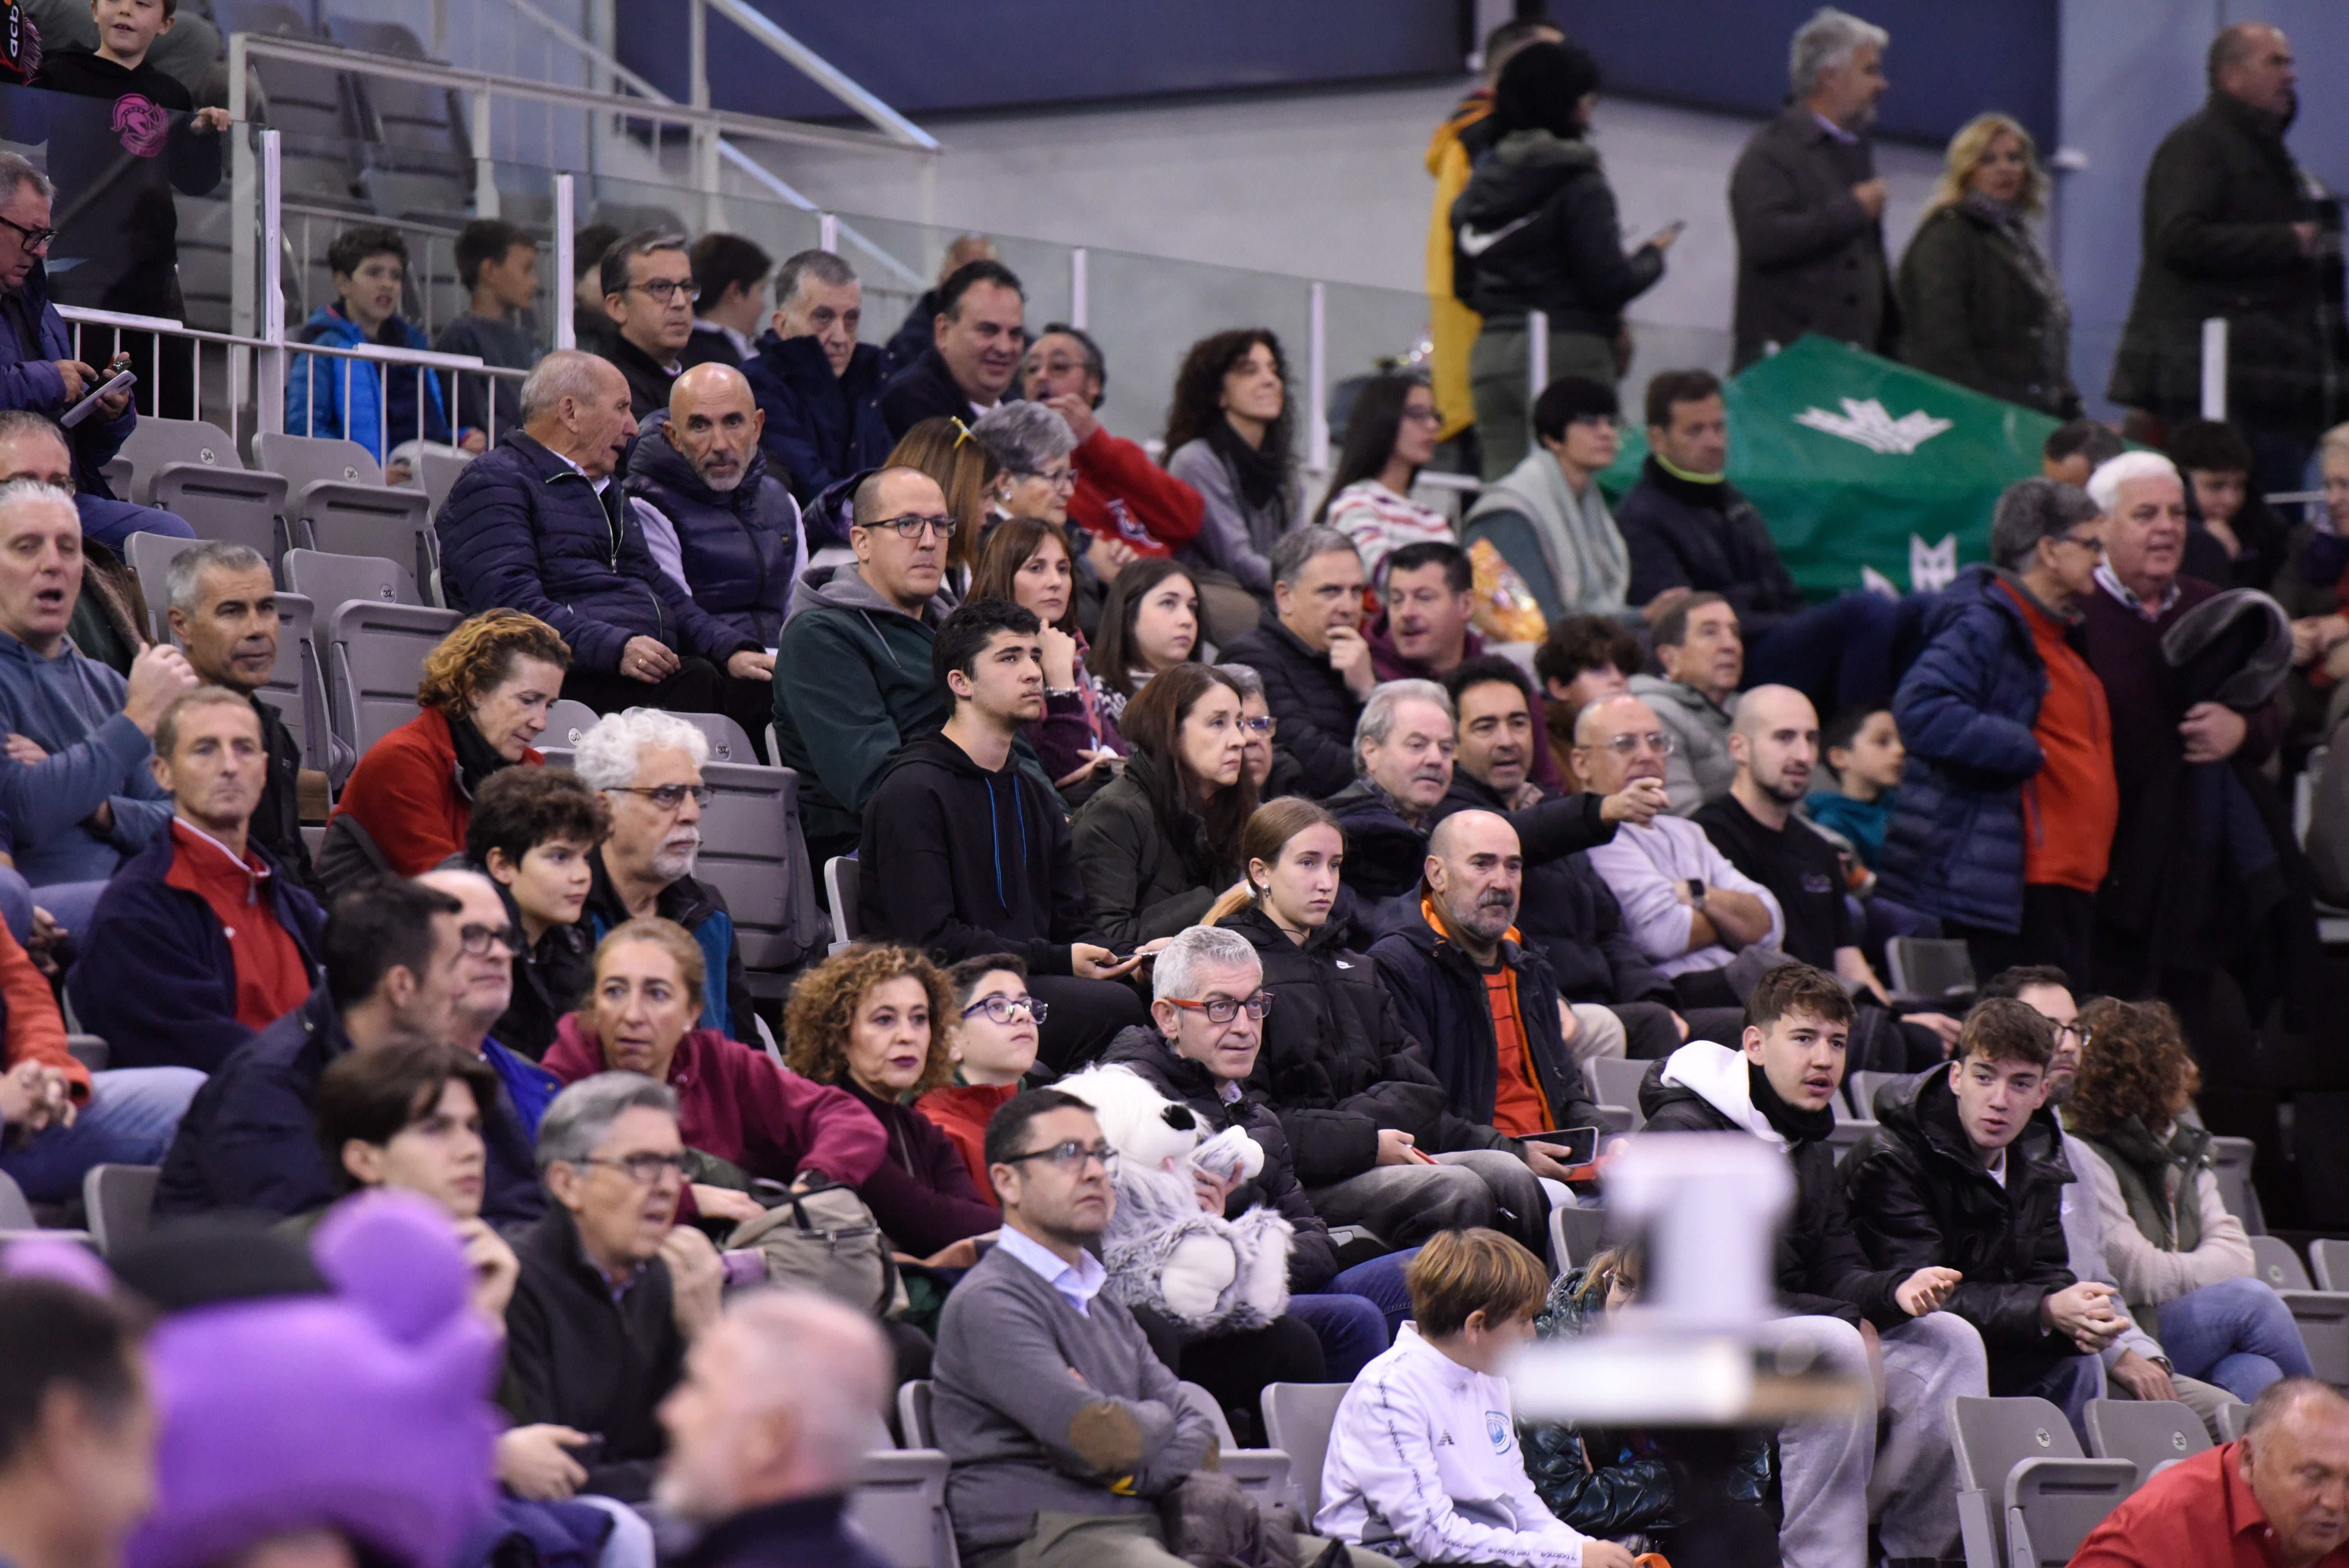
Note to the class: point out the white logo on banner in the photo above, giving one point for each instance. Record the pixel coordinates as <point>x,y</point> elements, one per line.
<point>1863,420</point>
<point>1931,567</point>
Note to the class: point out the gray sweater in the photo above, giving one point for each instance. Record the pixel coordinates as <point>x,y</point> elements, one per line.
<point>1015,1364</point>
<point>72,708</point>
<point>1233,536</point>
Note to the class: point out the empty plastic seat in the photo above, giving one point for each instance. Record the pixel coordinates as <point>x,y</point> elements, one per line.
<point>154,442</point>
<point>1860,1088</point>
<point>1846,1135</point>
<point>1931,969</point>
<point>339,503</point>
<point>118,1198</point>
<point>899,1504</point>
<point>2328,1260</point>
<point>2026,1495</point>
<point>1617,1080</point>
<point>566,721</point>
<point>2231,1163</point>
<point>2149,1433</point>
<point>1576,1235</point>
<point>728,743</point>
<point>1262,1473</point>
<point>1297,1418</point>
<point>753,852</point>
<point>375,656</point>
<point>334,580</point>
<point>2321,1315</point>
<point>842,888</point>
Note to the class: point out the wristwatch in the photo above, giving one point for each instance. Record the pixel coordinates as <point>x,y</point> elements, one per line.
<point>1696,892</point>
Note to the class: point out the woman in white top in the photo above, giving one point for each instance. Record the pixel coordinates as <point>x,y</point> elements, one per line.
<point>1390,437</point>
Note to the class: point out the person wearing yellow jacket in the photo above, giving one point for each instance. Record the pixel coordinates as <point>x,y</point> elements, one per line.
<point>1453,326</point>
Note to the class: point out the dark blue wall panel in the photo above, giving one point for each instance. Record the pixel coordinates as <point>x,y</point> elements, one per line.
<point>924,56</point>
<point>1949,59</point>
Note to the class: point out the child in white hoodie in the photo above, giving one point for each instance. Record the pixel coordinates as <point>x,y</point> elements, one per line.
<point>1423,1462</point>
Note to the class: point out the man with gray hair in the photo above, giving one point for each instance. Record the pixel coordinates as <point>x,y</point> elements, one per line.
<point>1808,204</point>
<point>612,1290</point>
<point>539,526</point>
<point>1998,702</point>
<point>780,1402</point>
<point>647,764</point>
<point>818,387</point>
<point>1308,647</point>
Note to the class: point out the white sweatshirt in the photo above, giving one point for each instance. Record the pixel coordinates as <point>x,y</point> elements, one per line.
<point>1425,1466</point>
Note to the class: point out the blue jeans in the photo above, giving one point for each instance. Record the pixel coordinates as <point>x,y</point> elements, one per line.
<point>1355,1316</point>
<point>16,904</point>
<point>128,1119</point>
<point>71,904</point>
<point>2235,1334</point>
<point>2068,1383</point>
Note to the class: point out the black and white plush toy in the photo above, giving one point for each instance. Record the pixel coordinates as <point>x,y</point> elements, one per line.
<point>1200,1270</point>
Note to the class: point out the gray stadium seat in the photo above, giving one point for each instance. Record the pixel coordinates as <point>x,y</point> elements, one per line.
<point>338,502</point>
<point>2328,1260</point>
<point>753,852</point>
<point>1575,1236</point>
<point>2026,1495</point>
<point>316,459</point>
<point>899,1505</point>
<point>2232,1420</point>
<point>15,1214</point>
<point>566,721</point>
<point>2321,1315</point>
<point>154,442</point>
<point>1262,1473</point>
<point>1617,1080</point>
<point>2150,1432</point>
<point>728,743</point>
<point>438,470</point>
<point>90,1051</point>
<point>1930,969</point>
<point>914,1412</point>
<point>374,657</point>
<point>1297,1418</point>
<point>334,580</point>
<point>243,506</point>
<point>1845,1136</point>
<point>1860,1087</point>
<point>2230,1160</point>
<point>150,556</point>
<point>118,1198</point>
<point>842,887</point>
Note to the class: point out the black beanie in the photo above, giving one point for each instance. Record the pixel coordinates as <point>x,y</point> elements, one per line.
<point>1540,88</point>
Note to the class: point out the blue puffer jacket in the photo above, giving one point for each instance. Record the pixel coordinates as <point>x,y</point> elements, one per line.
<point>33,337</point>
<point>1954,846</point>
<point>740,545</point>
<point>821,428</point>
<point>523,530</point>
<point>315,385</point>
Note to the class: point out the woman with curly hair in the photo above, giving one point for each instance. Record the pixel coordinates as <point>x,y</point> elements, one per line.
<point>485,693</point>
<point>874,1022</point>
<point>732,1101</point>
<point>2169,1240</point>
<point>945,448</point>
<point>1230,436</point>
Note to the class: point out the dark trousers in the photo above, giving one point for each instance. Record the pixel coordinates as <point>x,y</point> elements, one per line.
<point>2056,921</point>
<point>2067,1382</point>
<point>1843,653</point>
<point>1235,1367</point>
<point>1086,1015</point>
<point>1649,1033</point>
<point>697,686</point>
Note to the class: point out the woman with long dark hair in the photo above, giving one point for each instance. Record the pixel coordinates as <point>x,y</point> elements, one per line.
<point>1230,435</point>
<point>1390,437</point>
<point>1156,844</point>
<point>1026,562</point>
<point>1149,625</point>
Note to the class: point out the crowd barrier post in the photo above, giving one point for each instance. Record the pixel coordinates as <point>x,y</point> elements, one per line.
<point>485,167</point>
<point>1318,360</point>
<point>566,265</point>
<point>1536,358</point>
<point>2214,369</point>
<point>1079,317</point>
<point>827,232</point>
<point>269,388</point>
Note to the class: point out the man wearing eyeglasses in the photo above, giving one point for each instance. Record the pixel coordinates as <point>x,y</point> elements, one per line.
<point>854,680</point>
<point>648,281</point>
<point>484,988</point>
<point>395,951</point>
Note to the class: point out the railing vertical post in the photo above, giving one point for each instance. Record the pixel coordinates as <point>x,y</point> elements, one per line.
<point>2214,368</point>
<point>440,38</point>
<point>1078,287</point>
<point>485,164</point>
<point>269,391</point>
<point>244,193</point>
<point>705,139</point>
<point>1317,361</point>
<point>1537,354</point>
<point>566,265</point>
<point>827,232</point>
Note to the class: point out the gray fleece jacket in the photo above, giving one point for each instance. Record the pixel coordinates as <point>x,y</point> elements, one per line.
<point>72,708</point>
<point>1699,768</point>
<point>1233,537</point>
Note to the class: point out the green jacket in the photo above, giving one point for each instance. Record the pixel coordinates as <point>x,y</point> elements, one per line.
<point>2158,1180</point>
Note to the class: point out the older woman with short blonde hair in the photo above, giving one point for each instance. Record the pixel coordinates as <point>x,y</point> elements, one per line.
<point>1981,303</point>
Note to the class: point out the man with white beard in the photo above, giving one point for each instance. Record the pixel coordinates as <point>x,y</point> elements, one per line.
<point>647,766</point>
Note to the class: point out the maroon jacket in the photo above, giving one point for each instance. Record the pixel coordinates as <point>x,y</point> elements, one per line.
<point>734,1102</point>
<point>2124,650</point>
<point>921,1192</point>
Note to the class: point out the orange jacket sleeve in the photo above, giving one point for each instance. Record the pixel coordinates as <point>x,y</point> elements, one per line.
<point>37,1031</point>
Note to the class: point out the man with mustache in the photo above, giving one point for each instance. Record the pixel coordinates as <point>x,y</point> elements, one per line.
<point>647,766</point>
<point>540,525</point>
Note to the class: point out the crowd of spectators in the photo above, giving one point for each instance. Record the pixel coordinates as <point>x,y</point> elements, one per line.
<point>1316,885</point>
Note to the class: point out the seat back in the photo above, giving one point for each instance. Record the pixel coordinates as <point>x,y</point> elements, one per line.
<point>914,1411</point>
<point>334,580</point>
<point>2328,1260</point>
<point>728,743</point>
<point>150,556</point>
<point>2274,1261</point>
<point>119,1198</point>
<point>2232,1164</point>
<point>753,852</point>
<point>306,460</point>
<point>842,885</point>
<point>438,470</point>
<point>2232,1419</point>
<point>15,1214</point>
<point>91,1050</point>
<point>152,442</point>
<point>1297,1418</point>
<point>1929,968</point>
<point>1860,1088</point>
<point>1994,1436</point>
<point>566,721</point>
<point>375,657</point>
<point>1575,1236</point>
<point>899,1506</point>
<point>243,506</point>
<point>2151,1432</point>
<point>1844,1135</point>
<point>367,520</point>
<point>1617,1080</point>
<point>297,684</point>
<point>2020,1466</point>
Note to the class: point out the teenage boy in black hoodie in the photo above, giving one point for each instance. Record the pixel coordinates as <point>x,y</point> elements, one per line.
<point>116,165</point>
<point>1780,1087</point>
<point>966,851</point>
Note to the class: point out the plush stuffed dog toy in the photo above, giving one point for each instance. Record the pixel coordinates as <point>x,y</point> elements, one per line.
<point>1201,1271</point>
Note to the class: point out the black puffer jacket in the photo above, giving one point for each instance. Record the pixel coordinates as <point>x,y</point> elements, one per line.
<point>736,546</point>
<point>1385,854</point>
<point>1140,881</point>
<point>1820,1268</point>
<point>1918,1196</point>
<point>1536,229</point>
<point>1337,1064</point>
<point>1312,1257</point>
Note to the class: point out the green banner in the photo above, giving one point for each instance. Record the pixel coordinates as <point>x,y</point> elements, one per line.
<point>1864,468</point>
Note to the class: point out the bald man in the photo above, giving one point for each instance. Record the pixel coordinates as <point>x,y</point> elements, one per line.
<point>715,520</point>
<point>1773,739</point>
<point>779,1404</point>
<point>540,525</point>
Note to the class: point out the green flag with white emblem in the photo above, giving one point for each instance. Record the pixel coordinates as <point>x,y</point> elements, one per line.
<point>1868,473</point>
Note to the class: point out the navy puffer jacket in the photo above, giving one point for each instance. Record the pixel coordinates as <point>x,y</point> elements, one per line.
<point>739,545</point>
<point>1954,846</point>
<point>821,428</point>
<point>523,530</point>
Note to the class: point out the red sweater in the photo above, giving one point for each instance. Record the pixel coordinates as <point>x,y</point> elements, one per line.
<point>961,1111</point>
<point>734,1102</point>
<point>404,792</point>
<point>1122,494</point>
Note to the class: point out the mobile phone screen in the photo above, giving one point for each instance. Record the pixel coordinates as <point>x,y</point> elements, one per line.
<point>1581,1143</point>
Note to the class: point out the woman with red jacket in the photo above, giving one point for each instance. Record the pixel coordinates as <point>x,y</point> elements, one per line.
<point>485,693</point>
<point>732,1100</point>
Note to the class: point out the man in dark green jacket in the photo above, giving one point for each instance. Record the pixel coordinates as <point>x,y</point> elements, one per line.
<point>2234,229</point>
<point>853,680</point>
